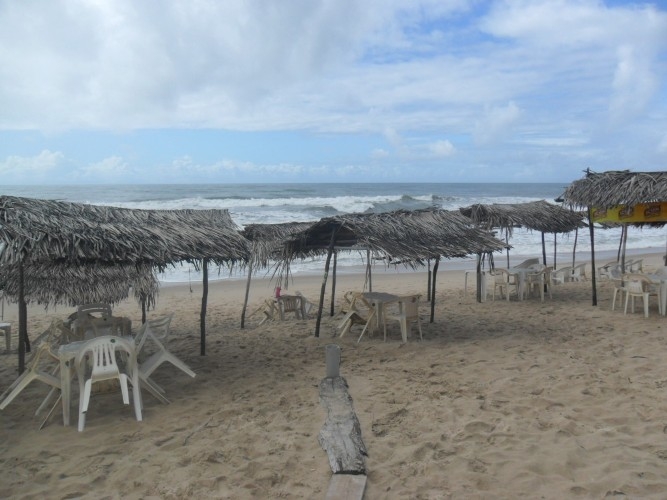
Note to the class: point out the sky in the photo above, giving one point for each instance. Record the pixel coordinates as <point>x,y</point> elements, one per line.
<point>248,91</point>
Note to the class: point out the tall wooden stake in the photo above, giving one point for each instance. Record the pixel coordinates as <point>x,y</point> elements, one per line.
<point>23,321</point>
<point>247,293</point>
<point>204,300</point>
<point>435,272</point>
<point>324,283</point>
<point>333,283</point>
<point>593,281</point>
<point>428,281</point>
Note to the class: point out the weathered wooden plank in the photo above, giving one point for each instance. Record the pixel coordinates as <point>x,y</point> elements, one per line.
<point>346,487</point>
<point>340,436</point>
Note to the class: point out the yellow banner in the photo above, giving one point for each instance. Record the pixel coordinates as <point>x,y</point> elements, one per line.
<point>644,212</point>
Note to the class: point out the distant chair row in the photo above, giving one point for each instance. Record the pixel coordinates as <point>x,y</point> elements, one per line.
<point>631,266</point>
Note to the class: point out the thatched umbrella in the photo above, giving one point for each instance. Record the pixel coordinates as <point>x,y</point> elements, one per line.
<point>535,215</point>
<point>266,241</point>
<point>621,190</point>
<point>408,237</point>
<point>51,284</point>
<point>41,231</point>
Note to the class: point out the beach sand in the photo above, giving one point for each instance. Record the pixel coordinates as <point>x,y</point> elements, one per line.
<point>501,400</point>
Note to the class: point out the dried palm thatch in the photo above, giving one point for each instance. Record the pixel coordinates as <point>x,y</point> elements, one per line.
<point>49,284</point>
<point>536,215</point>
<point>613,188</point>
<point>47,230</point>
<point>267,240</point>
<point>410,237</point>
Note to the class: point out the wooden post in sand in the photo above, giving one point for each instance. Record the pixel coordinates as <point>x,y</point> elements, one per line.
<point>478,278</point>
<point>247,292</point>
<point>23,319</point>
<point>202,316</point>
<point>324,283</point>
<point>333,283</point>
<point>592,231</point>
<point>428,282</point>
<point>435,272</point>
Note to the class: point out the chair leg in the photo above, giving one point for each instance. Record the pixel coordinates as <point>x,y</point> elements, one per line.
<point>84,400</point>
<point>136,395</point>
<point>404,329</point>
<point>21,383</point>
<point>613,299</point>
<point>645,300</point>
<point>122,379</point>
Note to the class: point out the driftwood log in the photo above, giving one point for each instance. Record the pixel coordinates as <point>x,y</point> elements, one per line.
<point>340,436</point>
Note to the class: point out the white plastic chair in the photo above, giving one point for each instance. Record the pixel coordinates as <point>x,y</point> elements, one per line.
<point>579,272</point>
<point>561,275</point>
<point>104,310</point>
<point>99,355</point>
<point>291,303</point>
<point>44,365</point>
<point>638,285</point>
<point>539,279</point>
<point>408,313</point>
<point>156,332</point>
<point>502,281</point>
<point>605,270</point>
<point>635,266</point>
<point>616,276</point>
<point>6,328</point>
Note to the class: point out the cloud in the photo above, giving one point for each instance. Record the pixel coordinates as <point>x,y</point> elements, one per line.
<point>111,168</point>
<point>425,74</point>
<point>497,123</point>
<point>379,153</point>
<point>633,86</point>
<point>441,149</point>
<point>27,167</point>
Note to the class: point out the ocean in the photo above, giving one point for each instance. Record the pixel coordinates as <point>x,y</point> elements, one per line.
<point>276,203</point>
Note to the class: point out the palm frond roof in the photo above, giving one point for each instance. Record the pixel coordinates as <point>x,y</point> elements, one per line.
<point>536,215</point>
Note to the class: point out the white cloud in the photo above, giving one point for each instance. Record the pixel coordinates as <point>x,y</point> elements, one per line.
<point>442,148</point>
<point>379,153</point>
<point>27,166</point>
<point>634,84</point>
<point>409,69</point>
<point>112,168</point>
<point>497,123</point>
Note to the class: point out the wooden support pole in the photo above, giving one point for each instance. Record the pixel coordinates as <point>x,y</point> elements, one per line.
<point>369,277</point>
<point>478,278</point>
<point>333,283</point>
<point>204,300</point>
<point>435,272</point>
<point>143,308</point>
<point>23,321</point>
<point>592,232</point>
<point>324,283</point>
<point>428,282</point>
<point>247,293</point>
